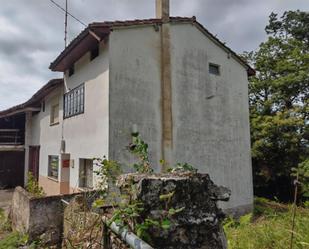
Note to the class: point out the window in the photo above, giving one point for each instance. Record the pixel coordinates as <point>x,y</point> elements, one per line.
<point>71,70</point>
<point>53,166</point>
<point>214,69</point>
<point>54,114</point>
<point>43,106</point>
<point>86,173</point>
<point>74,102</point>
<point>94,53</point>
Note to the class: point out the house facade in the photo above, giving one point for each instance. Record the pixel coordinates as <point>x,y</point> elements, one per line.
<point>184,90</point>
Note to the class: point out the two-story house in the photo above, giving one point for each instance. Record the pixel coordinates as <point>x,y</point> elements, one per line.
<point>184,90</point>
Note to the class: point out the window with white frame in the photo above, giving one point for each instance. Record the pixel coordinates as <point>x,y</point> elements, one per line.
<point>85,173</point>
<point>54,114</point>
<point>74,102</point>
<point>53,166</point>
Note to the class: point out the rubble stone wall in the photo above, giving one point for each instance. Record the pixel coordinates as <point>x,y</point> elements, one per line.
<point>198,225</point>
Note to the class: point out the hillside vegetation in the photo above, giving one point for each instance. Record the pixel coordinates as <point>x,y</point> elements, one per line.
<point>269,227</point>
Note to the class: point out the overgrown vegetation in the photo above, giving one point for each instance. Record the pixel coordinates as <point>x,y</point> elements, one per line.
<point>279,111</point>
<point>268,227</point>
<point>4,224</point>
<point>33,187</point>
<point>8,238</point>
<point>127,212</point>
<point>14,240</point>
<point>121,208</point>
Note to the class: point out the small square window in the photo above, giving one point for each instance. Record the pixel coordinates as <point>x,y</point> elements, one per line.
<point>214,69</point>
<point>54,114</point>
<point>94,53</point>
<point>71,70</point>
<point>53,167</point>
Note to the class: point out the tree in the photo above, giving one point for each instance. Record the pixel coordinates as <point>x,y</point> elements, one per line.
<point>279,98</point>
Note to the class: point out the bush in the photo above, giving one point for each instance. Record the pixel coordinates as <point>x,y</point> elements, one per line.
<point>33,186</point>
<point>4,223</point>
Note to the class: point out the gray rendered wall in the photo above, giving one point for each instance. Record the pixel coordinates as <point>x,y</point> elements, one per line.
<point>134,91</point>
<point>211,113</point>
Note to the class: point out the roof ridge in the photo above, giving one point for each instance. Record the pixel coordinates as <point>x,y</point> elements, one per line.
<point>109,25</point>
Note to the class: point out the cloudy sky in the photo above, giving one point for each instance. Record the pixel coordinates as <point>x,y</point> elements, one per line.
<point>31,31</point>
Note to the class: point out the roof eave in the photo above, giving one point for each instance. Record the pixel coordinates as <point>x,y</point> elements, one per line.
<point>32,104</point>
<point>79,46</point>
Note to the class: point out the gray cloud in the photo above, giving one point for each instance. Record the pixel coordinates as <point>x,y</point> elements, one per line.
<point>31,32</point>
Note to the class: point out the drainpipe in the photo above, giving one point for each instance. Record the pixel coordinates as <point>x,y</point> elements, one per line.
<point>162,12</point>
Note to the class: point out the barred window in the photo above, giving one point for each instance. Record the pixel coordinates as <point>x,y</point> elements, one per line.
<point>74,102</point>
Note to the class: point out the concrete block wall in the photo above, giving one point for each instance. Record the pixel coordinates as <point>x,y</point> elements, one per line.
<point>38,217</point>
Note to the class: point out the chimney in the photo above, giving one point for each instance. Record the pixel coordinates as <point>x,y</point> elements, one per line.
<point>163,10</point>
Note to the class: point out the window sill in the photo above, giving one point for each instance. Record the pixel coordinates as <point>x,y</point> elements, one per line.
<point>52,179</point>
<point>85,189</point>
<point>53,124</point>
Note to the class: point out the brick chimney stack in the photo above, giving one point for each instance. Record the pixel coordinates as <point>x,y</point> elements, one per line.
<point>163,10</point>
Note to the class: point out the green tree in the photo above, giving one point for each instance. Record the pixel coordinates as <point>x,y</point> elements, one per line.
<point>279,97</point>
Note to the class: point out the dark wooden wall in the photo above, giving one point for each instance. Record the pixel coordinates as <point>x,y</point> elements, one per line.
<point>12,164</point>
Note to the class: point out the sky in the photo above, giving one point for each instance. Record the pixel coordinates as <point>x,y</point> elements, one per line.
<point>32,31</point>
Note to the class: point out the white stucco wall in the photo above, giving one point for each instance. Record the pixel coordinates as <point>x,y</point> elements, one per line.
<point>135,84</point>
<point>86,135</point>
<point>211,113</point>
<point>46,136</point>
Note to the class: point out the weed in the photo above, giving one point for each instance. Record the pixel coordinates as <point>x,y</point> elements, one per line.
<point>33,186</point>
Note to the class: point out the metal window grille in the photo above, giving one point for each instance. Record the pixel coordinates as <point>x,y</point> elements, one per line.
<point>74,101</point>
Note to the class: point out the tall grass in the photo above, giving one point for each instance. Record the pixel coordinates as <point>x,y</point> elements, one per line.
<point>269,227</point>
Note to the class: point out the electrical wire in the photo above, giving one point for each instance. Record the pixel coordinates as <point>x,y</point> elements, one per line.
<point>75,18</point>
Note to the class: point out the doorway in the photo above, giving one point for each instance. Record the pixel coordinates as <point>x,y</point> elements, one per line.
<point>34,161</point>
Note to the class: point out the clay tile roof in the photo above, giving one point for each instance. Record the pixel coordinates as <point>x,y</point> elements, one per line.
<point>81,44</point>
<point>34,101</point>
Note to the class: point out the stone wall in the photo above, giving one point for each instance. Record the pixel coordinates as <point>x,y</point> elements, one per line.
<point>38,217</point>
<point>198,225</point>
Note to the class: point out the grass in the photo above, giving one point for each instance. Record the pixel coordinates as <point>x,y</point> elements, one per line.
<point>8,238</point>
<point>5,226</point>
<point>269,227</point>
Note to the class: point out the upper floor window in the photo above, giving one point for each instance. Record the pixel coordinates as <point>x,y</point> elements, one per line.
<point>214,69</point>
<point>94,53</point>
<point>71,70</point>
<point>54,114</point>
<point>74,102</point>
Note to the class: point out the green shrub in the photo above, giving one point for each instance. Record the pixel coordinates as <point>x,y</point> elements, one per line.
<point>33,186</point>
<point>13,241</point>
<point>4,223</point>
